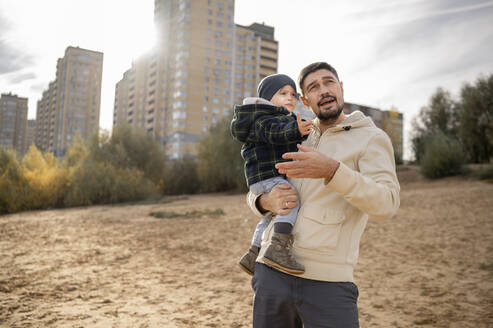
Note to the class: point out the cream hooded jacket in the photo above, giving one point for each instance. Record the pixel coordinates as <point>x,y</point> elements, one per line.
<point>333,215</point>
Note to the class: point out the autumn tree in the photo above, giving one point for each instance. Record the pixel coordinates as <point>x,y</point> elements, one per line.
<point>441,115</point>
<point>125,166</point>
<point>220,166</point>
<point>47,180</point>
<point>181,176</point>
<point>12,182</point>
<point>476,123</point>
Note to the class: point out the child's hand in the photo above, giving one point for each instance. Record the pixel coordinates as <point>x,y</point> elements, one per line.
<point>305,127</point>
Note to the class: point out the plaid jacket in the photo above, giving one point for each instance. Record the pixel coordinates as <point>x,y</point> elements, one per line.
<point>267,132</point>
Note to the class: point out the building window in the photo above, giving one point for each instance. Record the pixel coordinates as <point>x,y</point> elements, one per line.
<point>179,104</point>
<point>180,83</point>
<point>180,114</point>
<point>181,73</point>
<point>180,93</point>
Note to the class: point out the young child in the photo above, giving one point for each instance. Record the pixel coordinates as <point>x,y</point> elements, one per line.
<point>268,129</point>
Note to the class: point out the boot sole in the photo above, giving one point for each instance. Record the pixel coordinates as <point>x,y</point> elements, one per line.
<point>281,268</point>
<point>244,268</point>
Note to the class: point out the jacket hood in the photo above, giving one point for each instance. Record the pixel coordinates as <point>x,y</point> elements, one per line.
<point>256,100</point>
<point>243,124</point>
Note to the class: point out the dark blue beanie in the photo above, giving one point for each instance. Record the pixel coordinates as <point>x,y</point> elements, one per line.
<point>269,85</point>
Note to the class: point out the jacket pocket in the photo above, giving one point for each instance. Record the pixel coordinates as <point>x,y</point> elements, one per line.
<point>318,228</point>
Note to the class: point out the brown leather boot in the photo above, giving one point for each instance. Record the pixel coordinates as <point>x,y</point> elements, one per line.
<point>279,254</point>
<point>247,262</point>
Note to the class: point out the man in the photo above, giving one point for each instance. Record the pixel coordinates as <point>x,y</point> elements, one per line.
<point>344,172</point>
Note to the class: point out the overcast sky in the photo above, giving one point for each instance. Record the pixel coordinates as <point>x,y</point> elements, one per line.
<point>387,52</point>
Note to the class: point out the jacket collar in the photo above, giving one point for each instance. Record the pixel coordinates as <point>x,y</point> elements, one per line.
<point>354,120</point>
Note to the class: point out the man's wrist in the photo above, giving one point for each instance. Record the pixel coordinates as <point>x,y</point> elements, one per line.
<point>332,173</point>
<point>261,204</point>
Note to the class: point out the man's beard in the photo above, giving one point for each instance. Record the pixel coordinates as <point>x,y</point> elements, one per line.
<point>330,115</point>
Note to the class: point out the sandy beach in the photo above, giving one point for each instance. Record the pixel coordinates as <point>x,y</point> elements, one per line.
<point>119,266</point>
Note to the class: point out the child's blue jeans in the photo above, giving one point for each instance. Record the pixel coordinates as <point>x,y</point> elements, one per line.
<point>266,186</point>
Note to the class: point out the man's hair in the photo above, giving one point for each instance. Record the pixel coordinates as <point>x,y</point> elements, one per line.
<point>313,68</point>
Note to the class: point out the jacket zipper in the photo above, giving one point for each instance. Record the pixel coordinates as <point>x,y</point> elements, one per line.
<point>327,131</point>
<point>317,142</point>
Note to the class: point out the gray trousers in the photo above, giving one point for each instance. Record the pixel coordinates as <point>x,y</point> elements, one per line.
<point>285,301</point>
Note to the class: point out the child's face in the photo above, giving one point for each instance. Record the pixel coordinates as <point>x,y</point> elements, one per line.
<point>285,97</point>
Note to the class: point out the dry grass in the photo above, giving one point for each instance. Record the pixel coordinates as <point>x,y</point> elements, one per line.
<point>116,266</point>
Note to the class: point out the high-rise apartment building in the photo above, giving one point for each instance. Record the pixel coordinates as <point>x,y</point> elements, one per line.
<point>137,95</point>
<point>13,121</point>
<point>393,124</point>
<point>202,65</point>
<point>71,104</point>
<point>30,134</point>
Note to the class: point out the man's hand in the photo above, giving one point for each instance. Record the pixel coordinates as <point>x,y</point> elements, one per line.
<point>280,200</point>
<point>308,163</point>
<point>305,127</point>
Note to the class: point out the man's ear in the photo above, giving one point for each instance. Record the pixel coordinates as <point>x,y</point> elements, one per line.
<point>303,100</point>
<point>342,87</point>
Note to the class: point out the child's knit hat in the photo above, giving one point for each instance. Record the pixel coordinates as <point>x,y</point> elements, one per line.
<point>269,85</point>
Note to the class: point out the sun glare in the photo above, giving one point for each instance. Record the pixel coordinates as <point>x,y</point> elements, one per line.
<point>132,30</point>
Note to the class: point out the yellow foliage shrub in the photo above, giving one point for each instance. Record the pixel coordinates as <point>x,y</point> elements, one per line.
<point>47,181</point>
<point>128,168</point>
<point>12,183</point>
